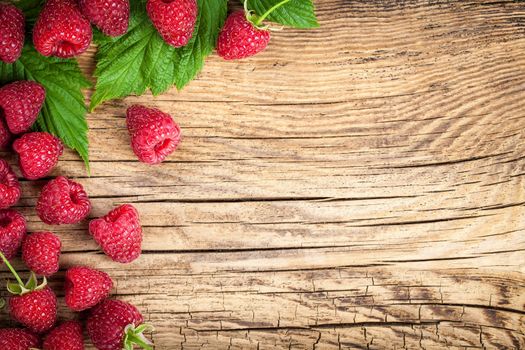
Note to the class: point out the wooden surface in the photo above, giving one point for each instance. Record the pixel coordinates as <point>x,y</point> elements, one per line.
<point>359,186</point>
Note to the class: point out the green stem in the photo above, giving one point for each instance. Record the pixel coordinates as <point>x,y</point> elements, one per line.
<point>139,341</point>
<point>267,13</point>
<point>12,269</point>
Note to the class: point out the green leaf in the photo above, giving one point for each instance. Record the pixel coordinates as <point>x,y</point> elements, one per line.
<point>31,9</point>
<point>212,14</point>
<point>64,110</point>
<point>295,13</point>
<point>141,60</point>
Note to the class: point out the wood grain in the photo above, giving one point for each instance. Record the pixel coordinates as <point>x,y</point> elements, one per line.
<point>359,186</point>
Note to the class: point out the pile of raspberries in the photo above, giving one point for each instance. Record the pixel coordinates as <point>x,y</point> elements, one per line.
<point>111,324</point>
<point>63,28</point>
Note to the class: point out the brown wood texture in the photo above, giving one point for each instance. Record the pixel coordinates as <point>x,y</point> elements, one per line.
<point>358,186</point>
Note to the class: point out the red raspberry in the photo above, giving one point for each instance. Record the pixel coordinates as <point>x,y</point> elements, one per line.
<point>12,25</point>
<point>61,30</point>
<point>174,19</point>
<point>119,233</point>
<point>9,187</point>
<point>154,134</point>
<point>12,232</point>
<point>63,201</point>
<point>17,339</point>
<point>110,16</point>
<point>40,252</point>
<point>37,310</point>
<point>67,336</point>
<point>86,287</point>
<point>5,135</point>
<point>33,305</point>
<point>20,103</point>
<point>38,154</point>
<point>115,325</point>
<point>239,38</point>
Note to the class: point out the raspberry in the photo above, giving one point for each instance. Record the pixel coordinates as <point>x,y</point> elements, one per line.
<point>61,30</point>
<point>12,23</point>
<point>32,304</point>
<point>12,232</point>
<point>38,154</point>
<point>119,233</point>
<point>115,325</point>
<point>110,16</point>
<point>174,19</point>
<point>37,309</point>
<point>86,287</point>
<point>239,38</point>
<point>40,252</point>
<point>154,134</point>
<point>63,201</point>
<point>17,339</point>
<point>9,187</point>
<point>20,103</point>
<point>67,336</point>
<point>5,135</point>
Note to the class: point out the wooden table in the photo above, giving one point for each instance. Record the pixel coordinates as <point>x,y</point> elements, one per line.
<point>356,186</point>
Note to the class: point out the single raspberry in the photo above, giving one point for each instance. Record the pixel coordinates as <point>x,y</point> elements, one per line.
<point>116,325</point>
<point>9,186</point>
<point>37,310</point>
<point>5,135</point>
<point>12,232</point>
<point>154,134</point>
<point>40,252</point>
<point>63,201</point>
<point>119,233</point>
<point>61,30</point>
<point>12,25</point>
<point>86,287</point>
<point>32,304</point>
<point>110,16</point>
<point>240,38</point>
<point>174,19</point>
<point>20,103</point>
<point>67,336</point>
<point>17,339</point>
<point>38,154</point>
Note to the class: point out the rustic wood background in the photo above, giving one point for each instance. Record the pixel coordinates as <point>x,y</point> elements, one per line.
<point>359,186</point>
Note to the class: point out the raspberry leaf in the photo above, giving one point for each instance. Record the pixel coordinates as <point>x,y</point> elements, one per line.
<point>212,14</point>
<point>131,63</point>
<point>63,113</point>
<point>141,60</point>
<point>294,13</point>
<point>31,9</point>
